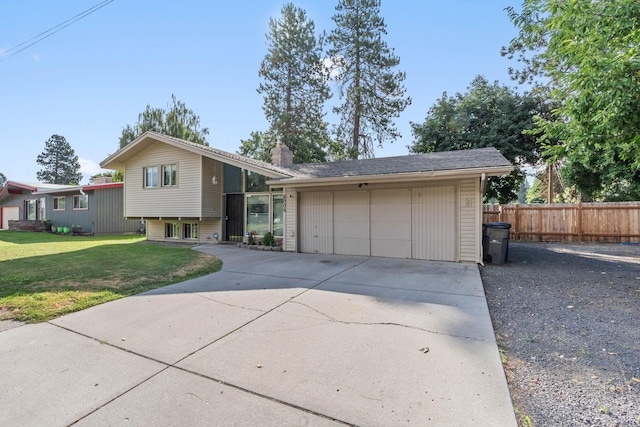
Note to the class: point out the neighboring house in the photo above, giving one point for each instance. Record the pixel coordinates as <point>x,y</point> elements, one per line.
<point>422,206</point>
<point>97,208</point>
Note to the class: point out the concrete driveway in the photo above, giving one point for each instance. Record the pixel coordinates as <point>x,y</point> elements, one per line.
<point>273,339</point>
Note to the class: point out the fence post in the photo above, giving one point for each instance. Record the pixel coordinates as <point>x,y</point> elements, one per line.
<point>516,222</point>
<point>579,221</point>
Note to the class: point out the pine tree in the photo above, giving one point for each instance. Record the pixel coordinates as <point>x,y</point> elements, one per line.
<point>372,93</point>
<point>295,86</point>
<point>59,161</point>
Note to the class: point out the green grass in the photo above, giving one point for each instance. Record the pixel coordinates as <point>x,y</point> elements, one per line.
<point>44,275</point>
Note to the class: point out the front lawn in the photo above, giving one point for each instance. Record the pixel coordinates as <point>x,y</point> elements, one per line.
<point>44,275</point>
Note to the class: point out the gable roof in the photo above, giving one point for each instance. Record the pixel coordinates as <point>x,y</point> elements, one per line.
<point>474,161</point>
<point>117,159</point>
<point>409,167</point>
<point>33,187</point>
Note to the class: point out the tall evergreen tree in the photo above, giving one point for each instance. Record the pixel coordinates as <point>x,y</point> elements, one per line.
<point>3,180</point>
<point>372,93</point>
<point>59,161</point>
<point>295,86</point>
<point>178,121</point>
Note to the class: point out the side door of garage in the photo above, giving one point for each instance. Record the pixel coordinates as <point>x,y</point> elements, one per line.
<point>315,213</point>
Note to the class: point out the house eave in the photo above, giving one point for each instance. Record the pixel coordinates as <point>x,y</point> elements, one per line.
<point>396,177</point>
<point>117,160</point>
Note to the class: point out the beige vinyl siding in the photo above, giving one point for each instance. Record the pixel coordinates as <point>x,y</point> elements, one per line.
<point>316,222</point>
<point>182,200</point>
<point>470,235</point>
<point>434,223</point>
<point>290,219</point>
<point>156,230</point>
<point>211,194</point>
<point>391,223</point>
<point>351,222</point>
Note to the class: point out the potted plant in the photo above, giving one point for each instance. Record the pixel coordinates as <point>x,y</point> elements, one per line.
<point>66,230</point>
<point>60,229</point>
<point>47,225</point>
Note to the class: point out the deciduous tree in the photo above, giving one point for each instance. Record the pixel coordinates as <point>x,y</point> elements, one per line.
<point>588,53</point>
<point>177,121</point>
<point>371,91</point>
<point>487,115</point>
<point>59,161</point>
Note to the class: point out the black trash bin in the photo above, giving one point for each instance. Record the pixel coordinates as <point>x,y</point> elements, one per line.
<point>495,241</point>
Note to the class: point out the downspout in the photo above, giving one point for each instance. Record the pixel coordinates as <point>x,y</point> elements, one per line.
<point>483,190</point>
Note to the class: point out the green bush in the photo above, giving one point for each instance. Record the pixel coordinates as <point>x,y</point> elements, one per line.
<point>267,239</point>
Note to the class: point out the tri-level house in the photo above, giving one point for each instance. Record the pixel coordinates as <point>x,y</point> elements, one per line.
<point>422,206</point>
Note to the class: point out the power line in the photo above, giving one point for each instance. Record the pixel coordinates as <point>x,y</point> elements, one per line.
<point>51,31</point>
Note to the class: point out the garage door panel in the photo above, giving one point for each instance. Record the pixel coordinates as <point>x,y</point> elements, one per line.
<point>392,230</point>
<point>351,222</point>
<point>391,223</point>
<point>316,222</point>
<point>391,248</point>
<point>434,223</point>
<point>352,230</point>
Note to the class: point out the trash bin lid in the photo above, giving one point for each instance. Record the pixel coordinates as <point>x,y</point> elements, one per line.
<point>503,225</point>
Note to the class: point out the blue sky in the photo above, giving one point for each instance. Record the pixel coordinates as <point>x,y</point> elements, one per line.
<point>89,80</point>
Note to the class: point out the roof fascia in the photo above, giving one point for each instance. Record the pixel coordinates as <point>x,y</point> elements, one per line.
<point>396,177</point>
<point>196,150</point>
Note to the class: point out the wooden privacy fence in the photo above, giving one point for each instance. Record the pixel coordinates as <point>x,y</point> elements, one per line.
<point>582,222</point>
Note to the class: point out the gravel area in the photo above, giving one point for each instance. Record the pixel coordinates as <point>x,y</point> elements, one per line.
<point>567,321</point>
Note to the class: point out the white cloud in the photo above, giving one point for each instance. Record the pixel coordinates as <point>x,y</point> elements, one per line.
<point>89,168</point>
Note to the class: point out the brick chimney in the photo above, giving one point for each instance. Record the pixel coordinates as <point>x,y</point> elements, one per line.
<point>281,155</point>
<point>102,180</point>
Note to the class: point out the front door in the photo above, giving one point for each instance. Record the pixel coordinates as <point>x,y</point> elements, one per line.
<point>234,218</point>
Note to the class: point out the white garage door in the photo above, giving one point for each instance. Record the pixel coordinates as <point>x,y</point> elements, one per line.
<point>351,222</point>
<point>391,223</point>
<point>433,223</point>
<point>9,213</point>
<point>316,222</point>
<point>415,223</point>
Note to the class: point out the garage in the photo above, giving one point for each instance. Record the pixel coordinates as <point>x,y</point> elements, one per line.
<point>9,213</point>
<point>417,223</point>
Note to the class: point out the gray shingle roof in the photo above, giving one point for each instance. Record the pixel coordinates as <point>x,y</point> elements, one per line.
<point>449,160</point>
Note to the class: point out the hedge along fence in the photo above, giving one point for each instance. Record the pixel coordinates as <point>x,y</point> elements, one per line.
<point>582,222</point>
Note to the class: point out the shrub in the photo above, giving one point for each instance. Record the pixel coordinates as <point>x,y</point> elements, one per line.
<point>267,239</point>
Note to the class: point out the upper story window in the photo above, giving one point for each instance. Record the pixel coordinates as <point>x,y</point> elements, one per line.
<point>151,177</point>
<point>59,203</point>
<point>81,201</point>
<point>169,175</point>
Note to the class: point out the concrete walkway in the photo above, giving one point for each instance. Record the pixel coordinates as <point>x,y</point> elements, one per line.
<point>273,339</point>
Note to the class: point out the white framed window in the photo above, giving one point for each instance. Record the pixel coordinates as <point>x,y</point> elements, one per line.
<point>191,230</point>
<point>277,214</point>
<point>80,201</point>
<point>60,203</point>
<point>172,230</point>
<point>169,175</point>
<point>151,177</point>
